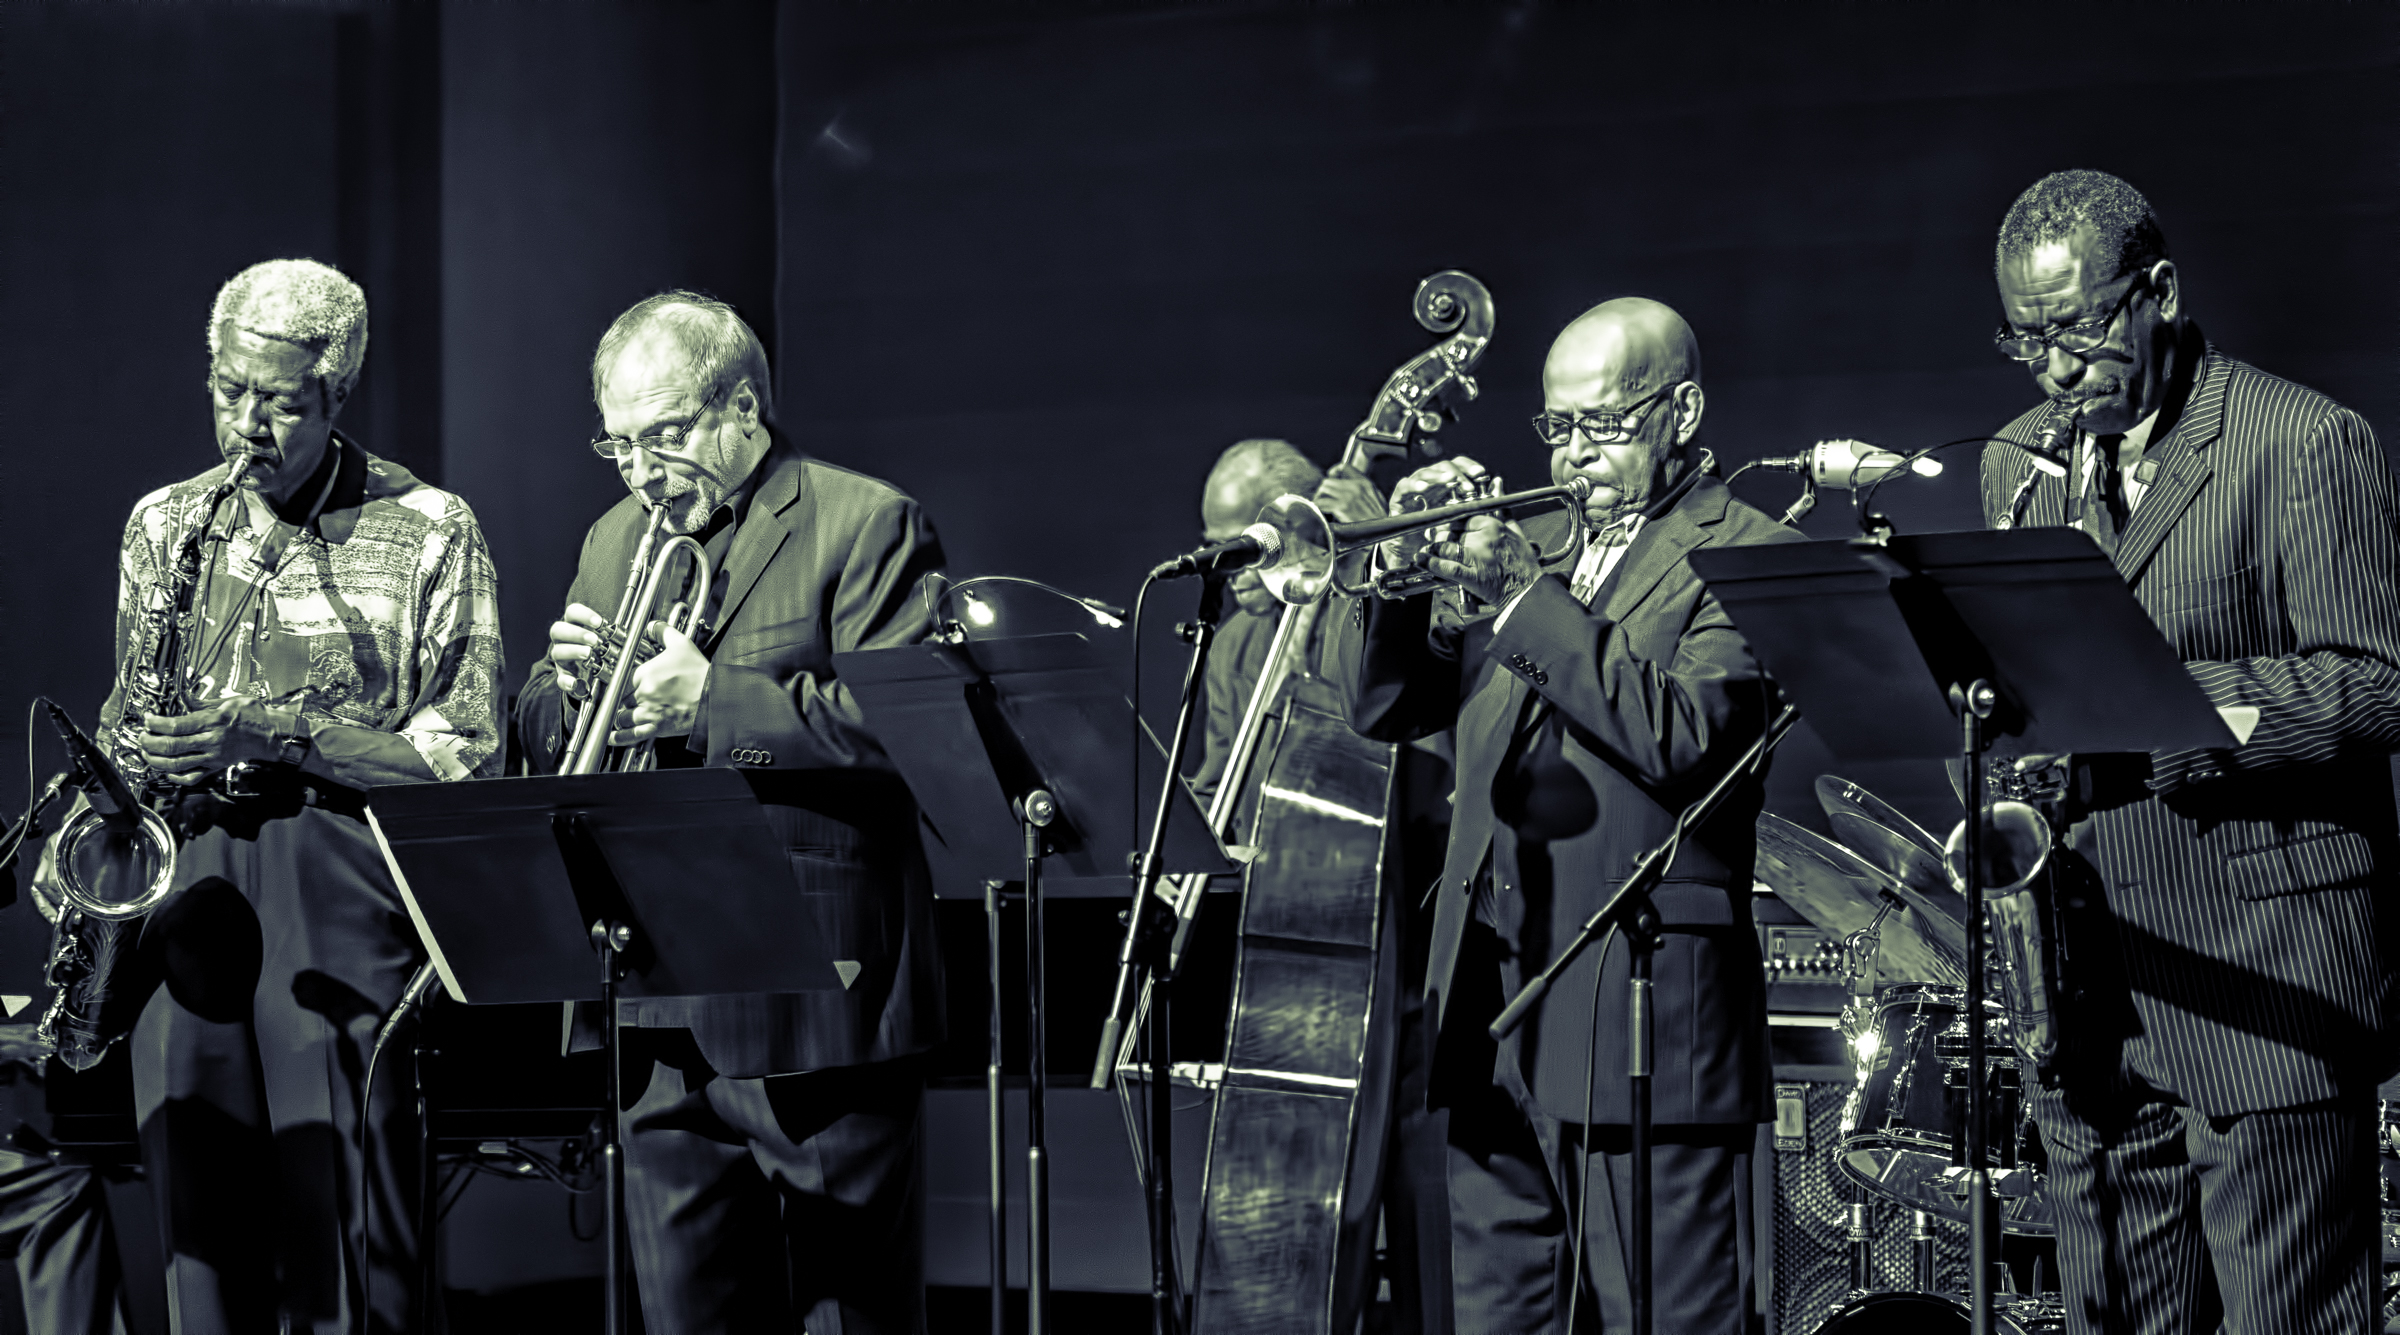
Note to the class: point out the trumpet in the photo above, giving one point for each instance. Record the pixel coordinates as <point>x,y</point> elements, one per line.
<point>622,649</point>
<point>1305,561</point>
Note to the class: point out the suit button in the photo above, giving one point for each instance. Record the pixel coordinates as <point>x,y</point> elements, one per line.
<point>1540,678</point>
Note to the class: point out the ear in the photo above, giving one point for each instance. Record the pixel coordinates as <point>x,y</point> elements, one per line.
<point>2167,287</point>
<point>1690,401</point>
<point>744,405</point>
<point>335,397</point>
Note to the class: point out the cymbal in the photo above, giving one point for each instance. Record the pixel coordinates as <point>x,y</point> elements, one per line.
<point>1900,848</point>
<point>1841,893</point>
<point>1848,803</point>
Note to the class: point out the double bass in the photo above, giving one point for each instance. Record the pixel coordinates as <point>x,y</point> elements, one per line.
<point>1300,1112</point>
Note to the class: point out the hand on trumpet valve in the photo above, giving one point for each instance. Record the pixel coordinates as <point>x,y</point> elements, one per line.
<point>575,639</point>
<point>1493,560</point>
<point>189,748</point>
<point>1455,478</point>
<point>666,690</point>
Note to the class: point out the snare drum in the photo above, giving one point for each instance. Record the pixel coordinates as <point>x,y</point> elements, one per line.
<point>1906,1116</point>
<point>1942,1314</point>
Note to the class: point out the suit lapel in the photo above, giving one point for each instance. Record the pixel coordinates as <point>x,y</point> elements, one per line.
<point>760,537</point>
<point>2183,469</point>
<point>1657,549</point>
<point>1661,546</point>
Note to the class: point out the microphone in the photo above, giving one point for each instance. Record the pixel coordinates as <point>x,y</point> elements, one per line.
<point>1847,464</point>
<point>420,986</point>
<point>102,786</point>
<point>1258,544</point>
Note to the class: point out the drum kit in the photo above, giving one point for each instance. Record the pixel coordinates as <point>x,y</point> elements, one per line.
<point>1885,891</point>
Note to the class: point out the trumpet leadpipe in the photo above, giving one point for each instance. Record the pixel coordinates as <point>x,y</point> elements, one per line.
<point>1366,532</point>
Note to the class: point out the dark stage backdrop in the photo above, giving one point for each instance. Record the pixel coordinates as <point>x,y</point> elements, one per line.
<point>1039,270</point>
<point>1037,263</point>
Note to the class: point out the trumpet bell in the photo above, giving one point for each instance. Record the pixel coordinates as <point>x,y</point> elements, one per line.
<point>115,876</point>
<point>1302,567</point>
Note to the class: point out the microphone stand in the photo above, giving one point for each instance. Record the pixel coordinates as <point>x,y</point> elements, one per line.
<point>1628,906</point>
<point>1149,930</point>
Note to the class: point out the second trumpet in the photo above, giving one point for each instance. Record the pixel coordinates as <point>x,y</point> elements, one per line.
<point>621,644</point>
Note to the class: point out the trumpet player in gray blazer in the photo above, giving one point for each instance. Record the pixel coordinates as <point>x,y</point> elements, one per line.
<point>2212,1133</point>
<point>771,1142</point>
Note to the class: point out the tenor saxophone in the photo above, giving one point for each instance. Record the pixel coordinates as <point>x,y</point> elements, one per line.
<point>2018,874</point>
<point>95,926</point>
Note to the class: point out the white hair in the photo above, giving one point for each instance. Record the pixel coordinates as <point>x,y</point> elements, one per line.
<point>299,301</point>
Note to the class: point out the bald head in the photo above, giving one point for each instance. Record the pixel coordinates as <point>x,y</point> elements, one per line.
<point>1632,344</point>
<point>1628,372</point>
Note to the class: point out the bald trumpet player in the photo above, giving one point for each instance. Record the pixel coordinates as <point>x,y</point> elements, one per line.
<point>1589,710</point>
<point>771,1142</point>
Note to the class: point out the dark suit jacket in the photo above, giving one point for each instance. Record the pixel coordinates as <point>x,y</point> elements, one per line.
<point>826,561</point>
<point>1636,708</point>
<point>2243,886</point>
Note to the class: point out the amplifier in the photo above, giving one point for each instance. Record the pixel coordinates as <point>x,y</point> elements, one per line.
<point>1807,1216</point>
<point>1803,962</point>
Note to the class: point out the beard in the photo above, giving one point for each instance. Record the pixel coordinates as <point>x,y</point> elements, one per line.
<point>689,501</point>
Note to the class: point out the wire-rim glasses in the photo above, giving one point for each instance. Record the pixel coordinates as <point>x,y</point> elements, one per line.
<point>1599,426</point>
<point>2075,340</point>
<point>667,442</point>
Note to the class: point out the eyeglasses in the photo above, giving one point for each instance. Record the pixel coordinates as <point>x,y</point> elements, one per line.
<point>1600,426</point>
<point>668,442</point>
<point>2074,340</point>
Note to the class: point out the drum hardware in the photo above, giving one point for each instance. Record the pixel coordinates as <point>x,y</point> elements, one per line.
<point>1942,1314</point>
<point>1862,1247</point>
<point>1920,1237</point>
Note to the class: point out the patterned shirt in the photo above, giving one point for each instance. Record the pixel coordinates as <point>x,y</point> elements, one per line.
<point>382,614</point>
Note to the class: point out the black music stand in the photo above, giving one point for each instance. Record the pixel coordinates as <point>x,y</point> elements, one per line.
<point>672,877</point>
<point>1954,644</point>
<point>1017,751</point>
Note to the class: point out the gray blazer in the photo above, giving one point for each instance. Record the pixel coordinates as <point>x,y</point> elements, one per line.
<point>2243,958</point>
<point>826,561</point>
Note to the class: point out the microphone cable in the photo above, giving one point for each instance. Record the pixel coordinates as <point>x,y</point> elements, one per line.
<point>1583,1195</point>
<point>413,999</point>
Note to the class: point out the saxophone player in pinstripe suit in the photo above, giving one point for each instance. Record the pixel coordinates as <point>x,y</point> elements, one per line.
<point>2211,1130</point>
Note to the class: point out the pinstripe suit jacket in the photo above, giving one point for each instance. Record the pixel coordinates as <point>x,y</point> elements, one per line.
<point>826,561</point>
<point>2243,889</point>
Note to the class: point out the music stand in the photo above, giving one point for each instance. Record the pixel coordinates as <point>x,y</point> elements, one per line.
<point>1944,644</point>
<point>672,876</point>
<point>1016,750</point>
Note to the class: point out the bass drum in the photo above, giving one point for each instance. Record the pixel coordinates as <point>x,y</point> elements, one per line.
<point>1941,1314</point>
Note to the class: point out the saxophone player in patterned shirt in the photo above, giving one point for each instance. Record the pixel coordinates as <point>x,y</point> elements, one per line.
<point>345,635</point>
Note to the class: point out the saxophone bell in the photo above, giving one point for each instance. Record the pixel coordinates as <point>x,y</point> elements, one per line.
<point>2016,857</point>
